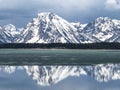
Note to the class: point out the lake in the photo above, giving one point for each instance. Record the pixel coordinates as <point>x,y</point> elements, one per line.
<point>57,56</point>
<point>59,69</point>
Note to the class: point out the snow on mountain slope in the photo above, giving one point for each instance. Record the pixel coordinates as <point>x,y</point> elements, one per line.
<point>103,30</point>
<point>50,28</point>
<point>10,29</point>
<point>78,25</point>
<point>8,34</point>
<point>82,37</point>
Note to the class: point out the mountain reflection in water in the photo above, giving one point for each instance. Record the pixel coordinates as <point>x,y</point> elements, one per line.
<point>52,75</point>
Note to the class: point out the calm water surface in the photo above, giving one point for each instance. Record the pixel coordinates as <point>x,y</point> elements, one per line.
<point>42,69</point>
<point>85,77</point>
<point>57,57</point>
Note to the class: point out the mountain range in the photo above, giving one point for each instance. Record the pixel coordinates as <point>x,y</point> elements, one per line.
<point>50,75</point>
<point>48,27</point>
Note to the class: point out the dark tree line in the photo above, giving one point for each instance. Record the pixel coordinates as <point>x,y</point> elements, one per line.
<point>103,45</point>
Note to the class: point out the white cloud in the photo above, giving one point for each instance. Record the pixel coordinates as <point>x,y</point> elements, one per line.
<point>72,10</point>
<point>64,4</point>
<point>73,4</point>
<point>112,4</point>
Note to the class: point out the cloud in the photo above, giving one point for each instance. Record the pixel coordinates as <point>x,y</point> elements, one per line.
<point>71,5</point>
<point>15,4</point>
<point>61,4</point>
<point>66,6</point>
<point>71,10</point>
<point>112,4</point>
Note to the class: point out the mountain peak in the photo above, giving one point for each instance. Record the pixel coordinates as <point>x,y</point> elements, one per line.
<point>103,29</point>
<point>45,13</point>
<point>48,15</point>
<point>103,20</point>
<point>9,27</point>
<point>48,27</point>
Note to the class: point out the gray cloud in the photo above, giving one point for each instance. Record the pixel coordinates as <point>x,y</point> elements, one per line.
<point>112,4</point>
<point>84,11</point>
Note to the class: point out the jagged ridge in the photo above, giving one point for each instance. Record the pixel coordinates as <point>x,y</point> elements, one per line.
<point>48,27</point>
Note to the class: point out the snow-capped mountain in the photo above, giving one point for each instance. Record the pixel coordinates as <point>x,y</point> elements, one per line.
<point>49,75</point>
<point>79,26</point>
<point>8,34</point>
<point>103,30</point>
<point>48,27</point>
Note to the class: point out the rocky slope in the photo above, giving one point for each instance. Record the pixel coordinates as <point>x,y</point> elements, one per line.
<point>103,30</point>
<point>9,34</point>
<point>48,27</point>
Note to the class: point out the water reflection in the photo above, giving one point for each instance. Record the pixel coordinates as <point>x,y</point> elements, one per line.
<point>55,75</point>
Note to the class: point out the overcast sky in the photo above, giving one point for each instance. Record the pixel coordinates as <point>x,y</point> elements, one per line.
<point>20,12</point>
